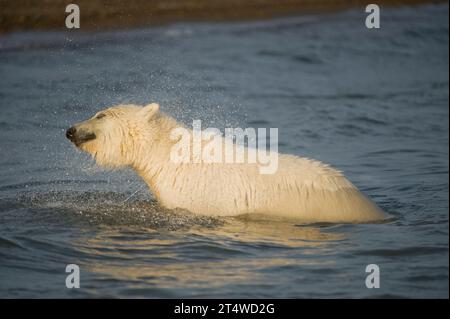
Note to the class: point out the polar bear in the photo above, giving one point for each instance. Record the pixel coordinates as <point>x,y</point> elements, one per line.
<point>141,138</point>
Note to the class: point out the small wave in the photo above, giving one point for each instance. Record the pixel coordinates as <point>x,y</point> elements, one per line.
<point>407,251</point>
<point>307,59</point>
<point>369,120</point>
<point>9,243</point>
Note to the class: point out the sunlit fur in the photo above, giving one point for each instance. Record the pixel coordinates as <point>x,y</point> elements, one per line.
<point>304,189</point>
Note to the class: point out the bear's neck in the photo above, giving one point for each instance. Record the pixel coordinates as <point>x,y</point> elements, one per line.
<point>153,152</point>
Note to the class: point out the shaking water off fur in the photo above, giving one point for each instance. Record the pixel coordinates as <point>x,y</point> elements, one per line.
<point>139,137</point>
<point>372,103</point>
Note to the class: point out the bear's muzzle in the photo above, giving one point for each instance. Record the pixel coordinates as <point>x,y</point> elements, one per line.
<point>79,137</point>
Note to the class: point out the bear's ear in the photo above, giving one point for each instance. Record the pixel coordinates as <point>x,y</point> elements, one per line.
<point>149,110</point>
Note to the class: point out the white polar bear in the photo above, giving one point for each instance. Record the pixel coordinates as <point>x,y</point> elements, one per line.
<point>140,137</point>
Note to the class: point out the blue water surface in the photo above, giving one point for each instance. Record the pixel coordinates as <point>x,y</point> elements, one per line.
<point>372,103</point>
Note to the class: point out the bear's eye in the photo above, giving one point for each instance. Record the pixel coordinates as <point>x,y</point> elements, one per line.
<point>101,115</point>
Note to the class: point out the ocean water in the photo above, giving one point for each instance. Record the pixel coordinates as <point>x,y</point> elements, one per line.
<point>372,103</point>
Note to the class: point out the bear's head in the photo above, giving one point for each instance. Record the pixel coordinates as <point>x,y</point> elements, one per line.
<point>114,136</point>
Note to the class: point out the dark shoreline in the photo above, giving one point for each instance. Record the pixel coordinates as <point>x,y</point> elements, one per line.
<point>114,14</point>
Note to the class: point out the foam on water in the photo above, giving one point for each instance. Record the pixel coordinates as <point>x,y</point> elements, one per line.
<point>109,208</point>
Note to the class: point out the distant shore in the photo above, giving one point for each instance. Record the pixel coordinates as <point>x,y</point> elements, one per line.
<point>114,14</point>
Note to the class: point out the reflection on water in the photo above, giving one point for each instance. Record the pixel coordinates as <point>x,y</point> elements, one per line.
<point>206,257</point>
<point>145,246</point>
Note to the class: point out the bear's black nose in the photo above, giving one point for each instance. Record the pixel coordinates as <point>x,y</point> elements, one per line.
<point>70,133</point>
